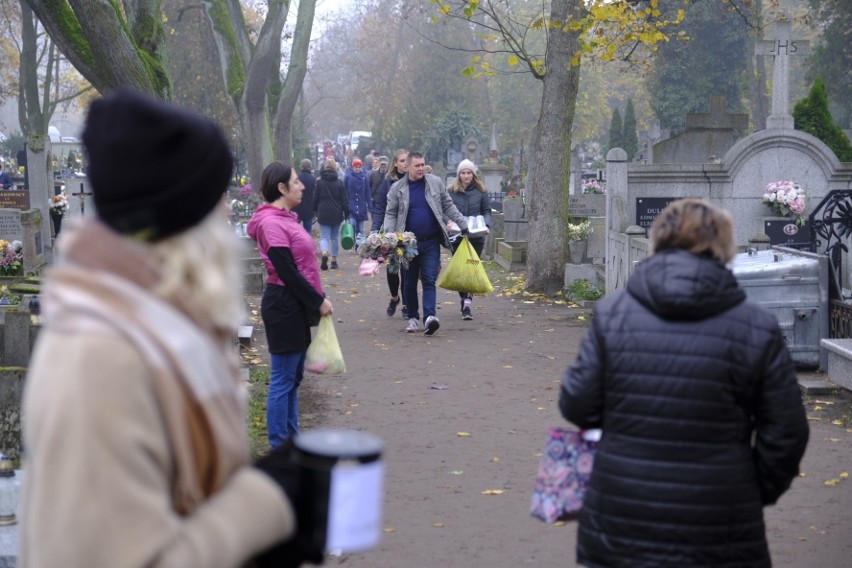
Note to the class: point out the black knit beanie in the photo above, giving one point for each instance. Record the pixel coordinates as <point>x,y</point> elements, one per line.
<point>155,169</point>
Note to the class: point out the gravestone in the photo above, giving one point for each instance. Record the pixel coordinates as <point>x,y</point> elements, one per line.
<point>785,232</point>
<point>17,199</point>
<point>781,47</point>
<point>39,172</point>
<point>24,226</point>
<point>514,219</point>
<point>708,135</point>
<point>11,228</point>
<point>647,209</point>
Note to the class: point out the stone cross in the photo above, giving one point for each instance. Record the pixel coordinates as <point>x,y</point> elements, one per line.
<point>782,47</point>
<point>77,203</point>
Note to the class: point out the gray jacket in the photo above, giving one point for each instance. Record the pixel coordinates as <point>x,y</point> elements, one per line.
<point>437,197</point>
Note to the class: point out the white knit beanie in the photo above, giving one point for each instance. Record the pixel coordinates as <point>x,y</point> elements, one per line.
<point>466,165</point>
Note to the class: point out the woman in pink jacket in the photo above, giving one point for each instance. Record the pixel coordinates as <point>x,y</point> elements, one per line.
<point>294,298</point>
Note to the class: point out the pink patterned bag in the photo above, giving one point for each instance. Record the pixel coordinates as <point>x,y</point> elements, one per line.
<point>368,267</point>
<point>563,474</point>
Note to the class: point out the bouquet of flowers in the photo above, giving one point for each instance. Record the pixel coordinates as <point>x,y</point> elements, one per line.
<point>11,255</point>
<point>593,186</point>
<point>579,231</point>
<point>787,198</point>
<point>59,204</point>
<point>396,249</point>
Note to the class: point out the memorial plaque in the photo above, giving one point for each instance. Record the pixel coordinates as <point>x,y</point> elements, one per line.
<point>15,200</point>
<point>10,225</point>
<point>587,205</point>
<point>647,209</point>
<point>786,232</point>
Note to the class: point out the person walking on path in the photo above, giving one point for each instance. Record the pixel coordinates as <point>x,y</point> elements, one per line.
<point>305,209</point>
<point>360,201</point>
<point>376,177</point>
<point>398,168</point>
<point>331,207</point>
<point>418,202</point>
<point>471,199</point>
<point>703,421</point>
<point>134,387</point>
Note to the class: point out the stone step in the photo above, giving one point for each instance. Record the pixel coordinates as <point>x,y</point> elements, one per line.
<point>839,368</point>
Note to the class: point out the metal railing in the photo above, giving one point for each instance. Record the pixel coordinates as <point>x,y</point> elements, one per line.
<point>831,227</point>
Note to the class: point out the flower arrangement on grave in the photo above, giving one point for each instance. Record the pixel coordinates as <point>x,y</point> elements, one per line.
<point>248,200</point>
<point>787,198</point>
<point>395,249</point>
<point>11,256</point>
<point>59,204</point>
<point>593,187</point>
<point>579,231</point>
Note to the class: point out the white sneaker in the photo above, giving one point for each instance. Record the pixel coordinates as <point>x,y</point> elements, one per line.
<point>413,326</point>
<point>432,325</point>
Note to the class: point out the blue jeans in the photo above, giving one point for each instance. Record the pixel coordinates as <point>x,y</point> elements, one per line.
<point>423,267</point>
<point>330,233</point>
<point>308,224</point>
<point>282,400</point>
<point>359,230</point>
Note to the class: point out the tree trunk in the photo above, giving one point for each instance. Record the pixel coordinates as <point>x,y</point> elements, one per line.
<point>29,110</point>
<point>293,83</point>
<point>247,73</point>
<point>95,39</point>
<point>551,157</point>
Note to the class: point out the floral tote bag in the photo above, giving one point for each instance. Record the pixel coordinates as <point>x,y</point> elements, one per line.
<point>563,474</point>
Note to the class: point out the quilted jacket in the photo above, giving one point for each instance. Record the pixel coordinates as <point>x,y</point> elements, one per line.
<point>703,420</point>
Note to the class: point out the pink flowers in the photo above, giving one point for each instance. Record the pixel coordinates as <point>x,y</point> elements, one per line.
<point>787,198</point>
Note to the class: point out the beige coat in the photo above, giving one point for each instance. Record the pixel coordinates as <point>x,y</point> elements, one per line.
<point>135,450</point>
<point>111,506</point>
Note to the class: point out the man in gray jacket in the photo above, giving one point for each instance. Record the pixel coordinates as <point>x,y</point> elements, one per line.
<point>417,203</point>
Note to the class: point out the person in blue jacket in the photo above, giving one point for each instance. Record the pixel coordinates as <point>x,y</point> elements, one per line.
<point>360,201</point>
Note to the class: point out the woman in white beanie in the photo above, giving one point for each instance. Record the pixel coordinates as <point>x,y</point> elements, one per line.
<point>471,199</point>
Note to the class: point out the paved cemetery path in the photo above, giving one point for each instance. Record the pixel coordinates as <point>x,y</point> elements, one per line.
<point>448,449</point>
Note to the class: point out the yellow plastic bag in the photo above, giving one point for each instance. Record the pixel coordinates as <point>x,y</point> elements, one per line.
<point>465,272</point>
<point>324,355</point>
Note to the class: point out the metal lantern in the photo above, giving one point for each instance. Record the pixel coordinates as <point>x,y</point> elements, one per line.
<point>8,492</point>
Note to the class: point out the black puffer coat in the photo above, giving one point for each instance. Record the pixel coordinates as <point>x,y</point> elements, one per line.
<point>680,371</point>
<point>331,204</point>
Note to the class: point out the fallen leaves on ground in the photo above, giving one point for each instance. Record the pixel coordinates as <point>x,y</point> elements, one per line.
<point>493,492</point>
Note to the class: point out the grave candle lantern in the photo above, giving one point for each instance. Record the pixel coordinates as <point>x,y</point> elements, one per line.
<point>8,492</point>
<point>340,505</point>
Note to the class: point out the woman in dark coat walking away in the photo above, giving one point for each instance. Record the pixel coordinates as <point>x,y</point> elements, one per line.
<point>398,168</point>
<point>331,207</point>
<point>471,199</point>
<point>693,386</point>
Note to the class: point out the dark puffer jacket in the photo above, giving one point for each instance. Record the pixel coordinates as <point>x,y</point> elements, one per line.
<point>472,202</point>
<point>330,202</point>
<point>680,371</point>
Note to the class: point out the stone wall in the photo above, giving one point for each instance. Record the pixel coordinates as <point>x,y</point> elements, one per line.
<point>735,184</point>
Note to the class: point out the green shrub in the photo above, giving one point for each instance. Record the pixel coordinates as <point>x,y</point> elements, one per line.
<point>584,290</point>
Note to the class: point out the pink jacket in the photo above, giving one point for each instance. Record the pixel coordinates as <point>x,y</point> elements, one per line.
<point>274,227</point>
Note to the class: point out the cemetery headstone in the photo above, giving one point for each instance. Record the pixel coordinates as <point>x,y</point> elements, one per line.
<point>10,225</point>
<point>707,134</point>
<point>40,179</point>
<point>15,199</point>
<point>647,209</point>
<point>787,233</point>
<point>24,226</point>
